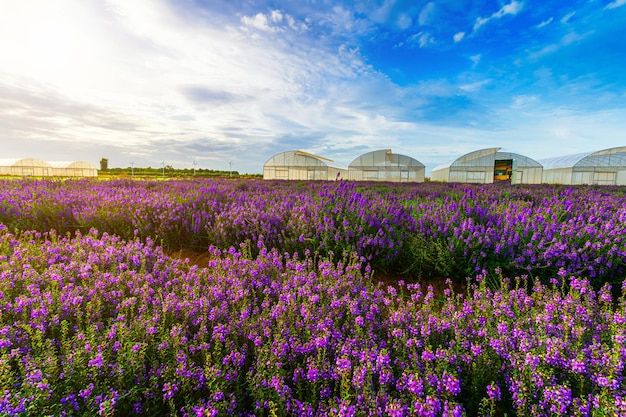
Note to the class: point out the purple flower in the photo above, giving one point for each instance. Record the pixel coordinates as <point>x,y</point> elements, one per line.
<point>169,390</point>
<point>493,392</point>
<point>312,374</point>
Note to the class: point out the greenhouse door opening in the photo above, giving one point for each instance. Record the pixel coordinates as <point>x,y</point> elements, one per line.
<point>502,170</point>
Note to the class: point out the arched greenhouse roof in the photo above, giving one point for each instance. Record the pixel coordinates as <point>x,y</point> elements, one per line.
<point>384,158</point>
<point>72,164</point>
<point>607,157</point>
<point>471,156</point>
<point>467,157</point>
<point>7,162</point>
<point>470,159</point>
<point>522,160</point>
<point>442,166</point>
<point>301,159</point>
<point>29,162</point>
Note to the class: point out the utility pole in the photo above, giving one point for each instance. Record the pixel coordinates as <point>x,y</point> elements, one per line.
<point>230,173</point>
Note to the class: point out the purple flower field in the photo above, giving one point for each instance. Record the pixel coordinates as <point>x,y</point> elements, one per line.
<point>288,319</point>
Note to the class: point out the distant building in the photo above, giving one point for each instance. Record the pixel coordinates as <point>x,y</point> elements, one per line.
<point>602,167</point>
<point>489,165</point>
<point>384,165</point>
<point>299,165</point>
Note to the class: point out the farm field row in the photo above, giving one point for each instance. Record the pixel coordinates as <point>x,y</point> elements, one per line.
<point>285,319</point>
<point>428,229</point>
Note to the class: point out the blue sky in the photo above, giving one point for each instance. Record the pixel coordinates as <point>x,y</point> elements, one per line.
<point>218,81</point>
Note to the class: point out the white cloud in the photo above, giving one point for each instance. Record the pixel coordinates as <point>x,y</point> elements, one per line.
<point>545,50</point>
<point>342,21</point>
<point>59,42</point>
<point>615,4</point>
<point>545,23</point>
<point>144,83</point>
<point>523,101</point>
<point>475,86</point>
<point>512,8</point>
<point>425,39</point>
<point>404,21</point>
<point>382,13</point>
<point>261,22</point>
<point>480,21</point>
<point>277,16</point>
<point>426,13</point>
<point>567,17</point>
<point>567,39</point>
<point>475,59</point>
<point>458,37</point>
<point>273,22</point>
<point>572,37</point>
<point>422,39</point>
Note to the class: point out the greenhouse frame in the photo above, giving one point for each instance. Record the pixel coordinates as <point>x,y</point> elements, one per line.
<point>299,165</point>
<point>25,167</point>
<point>489,165</point>
<point>605,167</point>
<point>33,167</point>
<point>74,169</point>
<point>384,165</point>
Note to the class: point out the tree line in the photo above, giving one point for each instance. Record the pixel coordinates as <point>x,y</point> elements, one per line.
<point>167,171</point>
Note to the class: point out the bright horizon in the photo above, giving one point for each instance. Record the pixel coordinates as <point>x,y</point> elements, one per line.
<point>152,81</point>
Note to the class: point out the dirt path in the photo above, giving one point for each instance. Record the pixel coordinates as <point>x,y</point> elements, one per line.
<point>201,259</point>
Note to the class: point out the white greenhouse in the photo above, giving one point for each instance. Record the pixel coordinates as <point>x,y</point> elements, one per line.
<point>299,165</point>
<point>602,167</point>
<point>73,169</point>
<point>384,165</point>
<point>25,167</point>
<point>489,165</point>
<point>32,167</point>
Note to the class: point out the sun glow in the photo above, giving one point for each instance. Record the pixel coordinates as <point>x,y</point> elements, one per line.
<point>54,42</point>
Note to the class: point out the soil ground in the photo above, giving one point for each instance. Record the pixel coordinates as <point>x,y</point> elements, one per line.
<point>201,259</point>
